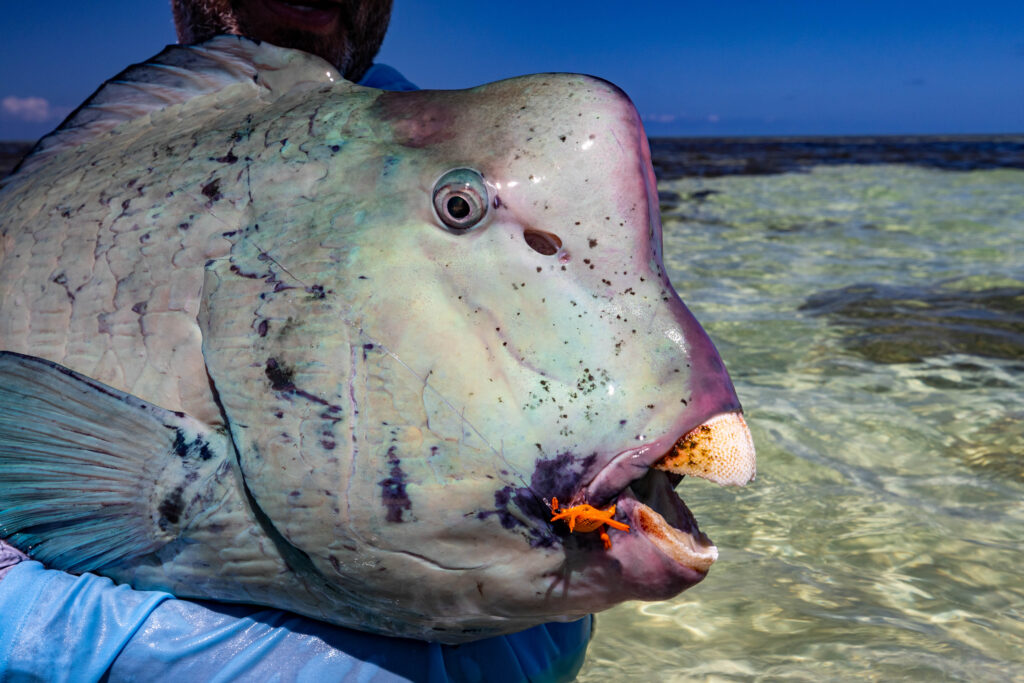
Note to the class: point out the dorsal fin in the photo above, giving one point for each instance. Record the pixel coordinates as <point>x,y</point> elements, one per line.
<point>178,74</point>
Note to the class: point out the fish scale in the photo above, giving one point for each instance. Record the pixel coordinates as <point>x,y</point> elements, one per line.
<point>346,346</point>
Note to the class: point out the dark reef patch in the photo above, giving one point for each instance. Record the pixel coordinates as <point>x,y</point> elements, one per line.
<point>888,324</point>
<point>711,157</point>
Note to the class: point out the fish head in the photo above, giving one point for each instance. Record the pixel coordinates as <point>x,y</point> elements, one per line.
<point>502,335</point>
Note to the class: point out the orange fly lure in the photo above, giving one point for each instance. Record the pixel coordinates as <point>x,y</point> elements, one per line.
<point>584,518</point>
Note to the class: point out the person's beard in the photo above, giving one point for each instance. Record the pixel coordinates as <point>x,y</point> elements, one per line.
<point>360,29</point>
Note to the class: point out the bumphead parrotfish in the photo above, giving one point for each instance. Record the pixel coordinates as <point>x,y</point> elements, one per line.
<point>272,337</point>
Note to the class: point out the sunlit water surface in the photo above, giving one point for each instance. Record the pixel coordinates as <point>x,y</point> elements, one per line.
<point>872,318</point>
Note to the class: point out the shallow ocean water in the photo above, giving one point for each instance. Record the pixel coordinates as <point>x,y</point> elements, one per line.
<point>872,318</point>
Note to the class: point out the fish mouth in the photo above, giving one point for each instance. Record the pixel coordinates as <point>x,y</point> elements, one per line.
<point>663,532</point>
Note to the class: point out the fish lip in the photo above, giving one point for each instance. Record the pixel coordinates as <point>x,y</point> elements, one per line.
<point>689,567</point>
<point>628,466</point>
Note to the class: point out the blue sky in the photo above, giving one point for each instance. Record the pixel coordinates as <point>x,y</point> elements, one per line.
<point>709,68</point>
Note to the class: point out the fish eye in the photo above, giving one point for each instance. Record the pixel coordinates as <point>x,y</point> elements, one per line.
<point>460,199</point>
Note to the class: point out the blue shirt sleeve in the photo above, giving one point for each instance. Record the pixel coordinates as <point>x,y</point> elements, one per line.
<point>384,77</point>
<point>59,627</point>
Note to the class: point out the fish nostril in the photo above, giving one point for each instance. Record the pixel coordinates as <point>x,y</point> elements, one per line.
<point>542,242</point>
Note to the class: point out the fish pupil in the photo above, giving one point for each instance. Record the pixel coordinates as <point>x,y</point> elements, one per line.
<point>458,207</point>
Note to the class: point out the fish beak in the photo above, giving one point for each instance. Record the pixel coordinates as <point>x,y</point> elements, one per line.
<point>721,450</point>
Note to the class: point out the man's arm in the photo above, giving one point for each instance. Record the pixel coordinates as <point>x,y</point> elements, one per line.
<point>60,627</point>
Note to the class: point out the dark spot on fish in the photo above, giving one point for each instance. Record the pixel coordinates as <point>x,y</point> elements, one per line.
<point>62,279</point>
<point>228,158</point>
<point>197,448</point>
<point>281,377</point>
<point>171,507</point>
<point>592,242</point>
<point>140,307</point>
<point>335,148</point>
<point>393,495</point>
<point>497,202</point>
<point>316,291</point>
<point>560,476</point>
<point>180,446</point>
<point>238,271</point>
<point>212,189</point>
<point>261,329</point>
<point>502,498</point>
<point>124,204</point>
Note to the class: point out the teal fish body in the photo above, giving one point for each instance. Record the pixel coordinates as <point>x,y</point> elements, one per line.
<point>272,337</point>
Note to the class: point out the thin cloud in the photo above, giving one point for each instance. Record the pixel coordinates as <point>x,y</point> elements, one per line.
<point>32,109</point>
<point>659,118</point>
<point>682,119</point>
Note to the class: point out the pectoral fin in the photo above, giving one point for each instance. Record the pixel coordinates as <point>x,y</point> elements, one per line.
<point>90,475</point>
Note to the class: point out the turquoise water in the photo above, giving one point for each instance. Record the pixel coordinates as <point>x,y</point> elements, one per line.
<point>872,318</point>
